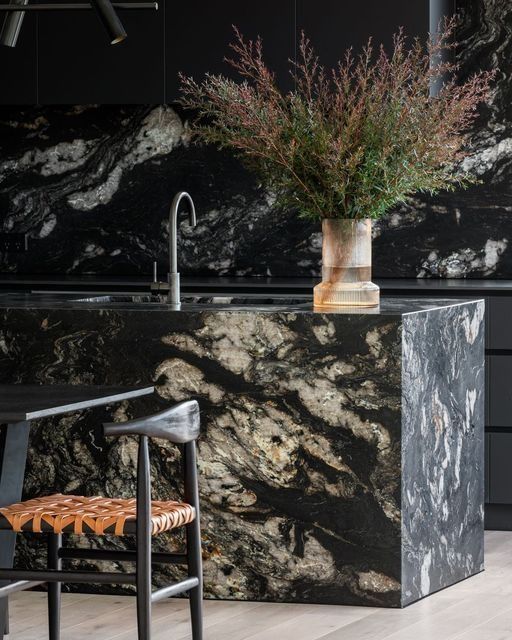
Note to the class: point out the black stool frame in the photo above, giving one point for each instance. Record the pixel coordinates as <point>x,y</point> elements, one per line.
<point>179,425</point>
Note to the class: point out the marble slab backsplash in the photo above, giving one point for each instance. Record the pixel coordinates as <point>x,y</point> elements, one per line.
<point>91,185</point>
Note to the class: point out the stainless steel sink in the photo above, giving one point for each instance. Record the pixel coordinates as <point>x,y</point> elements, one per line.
<point>122,299</point>
<point>246,300</point>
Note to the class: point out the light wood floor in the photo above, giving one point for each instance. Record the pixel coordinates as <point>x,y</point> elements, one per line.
<point>477,609</point>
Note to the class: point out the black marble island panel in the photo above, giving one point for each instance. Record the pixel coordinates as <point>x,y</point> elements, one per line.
<point>342,453</point>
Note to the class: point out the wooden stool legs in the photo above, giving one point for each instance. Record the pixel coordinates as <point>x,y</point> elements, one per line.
<point>6,628</point>
<point>54,588</point>
<point>193,535</point>
<point>143,569</point>
<point>195,569</point>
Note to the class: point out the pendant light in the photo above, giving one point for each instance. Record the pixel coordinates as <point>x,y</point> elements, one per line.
<point>105,9</point>
<point>110,20</point>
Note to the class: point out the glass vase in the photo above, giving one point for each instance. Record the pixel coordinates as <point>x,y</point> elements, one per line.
<point>346,265</point>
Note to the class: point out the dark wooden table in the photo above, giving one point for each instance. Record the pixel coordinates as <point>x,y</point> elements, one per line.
<point>19,405</point>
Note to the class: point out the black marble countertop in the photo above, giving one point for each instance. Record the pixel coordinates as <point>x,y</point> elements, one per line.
<point>94,284</point>
<point>255,304</point>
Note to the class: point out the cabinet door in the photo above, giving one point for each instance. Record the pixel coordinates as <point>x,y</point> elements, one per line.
<point>334,26</point>
<point>487,459</point>
<point>500,390</point>
<point>18,65</point>
<point>499,322</point>
<point>500,468</point>
<point>199,34</point>
<point>78,65</point>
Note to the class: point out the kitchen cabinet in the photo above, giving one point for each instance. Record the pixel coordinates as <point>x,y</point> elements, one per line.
<point>18,65</point>
<point>65,57</point>
<point>78,65</point>
<point>199,35</point>
<point>500,466</point>
<point>334,26</point>
<point>500,391</point>
<point>487,457</point>
<point>499,315</point>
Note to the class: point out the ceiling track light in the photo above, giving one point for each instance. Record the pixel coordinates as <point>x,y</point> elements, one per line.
<point>70,6</point>
<point>105,9</point>
<point>110,20</point>
<point>12,25</point>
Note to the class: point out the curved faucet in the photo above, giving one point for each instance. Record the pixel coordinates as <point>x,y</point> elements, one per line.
<point>173,277</point>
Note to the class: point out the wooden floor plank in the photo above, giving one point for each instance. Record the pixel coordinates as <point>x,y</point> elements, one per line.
<point>496,628</point>
<point>479,608</point>
<point>75,613</point>
<point>250,623</point>
<point>29,610</point>
<point>177,625</point>
<point>384,622</point>
<point>466,614</point>
<point>313,624</point>
<point>112,623</point>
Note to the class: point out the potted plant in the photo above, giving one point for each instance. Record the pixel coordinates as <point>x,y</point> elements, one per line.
<point>346,145</point>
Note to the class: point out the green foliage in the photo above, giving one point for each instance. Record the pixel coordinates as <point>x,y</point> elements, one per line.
<point>349,143</point>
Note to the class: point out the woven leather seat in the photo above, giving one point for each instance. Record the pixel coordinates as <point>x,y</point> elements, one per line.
<point>78,514</point>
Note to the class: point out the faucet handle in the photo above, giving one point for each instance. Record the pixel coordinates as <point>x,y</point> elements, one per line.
<point>157,286</point>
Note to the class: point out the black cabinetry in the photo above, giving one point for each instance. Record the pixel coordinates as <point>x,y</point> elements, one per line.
<point>499,322</point>
<point>199,34</point>
<point>500,468</point>
<point>65,58</point>
<point>487,452</point>
<point>334,26</point>
<point>499,415</point>
<point>499,379</point>
<point>77,64</point>
<point>18,65</point>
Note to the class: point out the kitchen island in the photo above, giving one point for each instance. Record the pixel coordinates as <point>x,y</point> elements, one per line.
<point>342,453</point>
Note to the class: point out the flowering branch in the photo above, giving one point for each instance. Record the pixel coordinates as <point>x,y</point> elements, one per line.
<point>351,142</point>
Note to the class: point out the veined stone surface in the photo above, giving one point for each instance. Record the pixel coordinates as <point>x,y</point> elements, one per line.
<point>442,448</point>
<point>92,185</point>
<point>341,454</point>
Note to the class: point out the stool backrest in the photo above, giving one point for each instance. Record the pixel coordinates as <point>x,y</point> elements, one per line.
<point>179,424</point>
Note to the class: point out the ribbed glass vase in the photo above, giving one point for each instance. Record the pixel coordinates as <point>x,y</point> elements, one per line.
<point>346,265</point>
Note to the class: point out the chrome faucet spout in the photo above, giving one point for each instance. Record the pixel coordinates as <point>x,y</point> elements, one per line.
<point>173,277</point>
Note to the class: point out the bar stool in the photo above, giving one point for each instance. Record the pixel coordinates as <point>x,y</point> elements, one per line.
<point>58,514</point>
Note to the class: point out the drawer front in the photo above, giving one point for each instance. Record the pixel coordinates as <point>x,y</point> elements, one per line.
<point>500,468</point>
<point>499,322</point>
<point>499,380</point>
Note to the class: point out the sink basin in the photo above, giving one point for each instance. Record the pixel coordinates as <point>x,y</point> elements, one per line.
<point>122,299</point>
<point>246,300</point>
<point>249,300</point>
